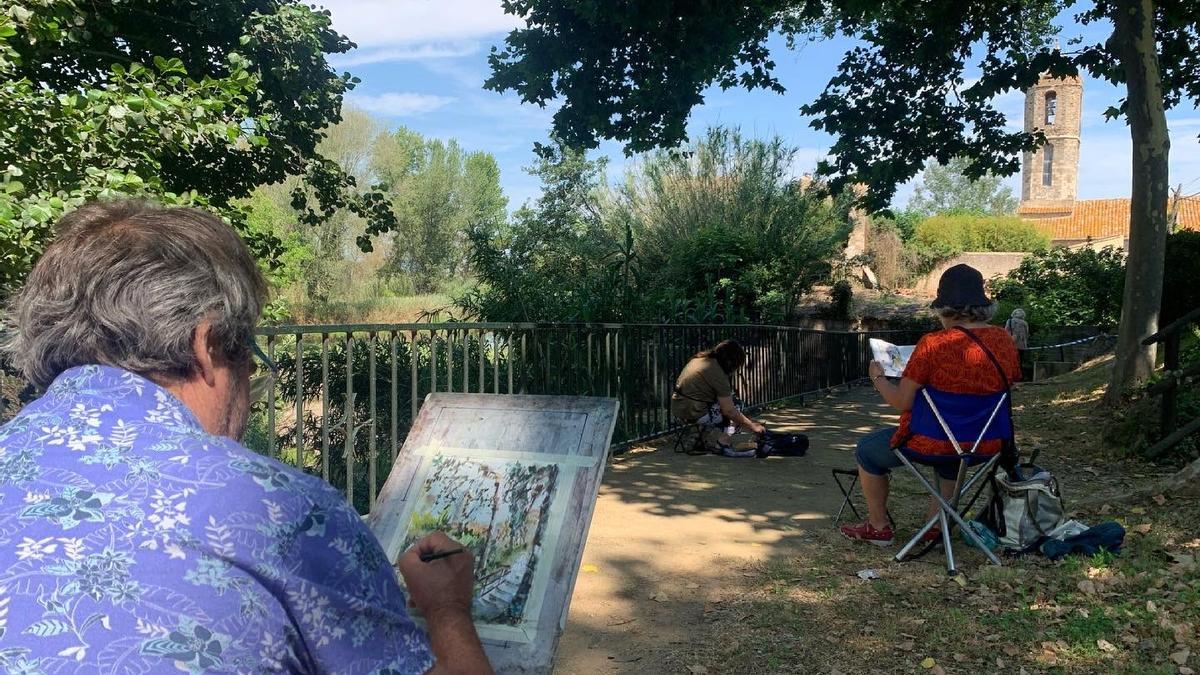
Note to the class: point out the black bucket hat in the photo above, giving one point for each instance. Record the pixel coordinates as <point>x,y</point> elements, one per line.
<point>961,286</point>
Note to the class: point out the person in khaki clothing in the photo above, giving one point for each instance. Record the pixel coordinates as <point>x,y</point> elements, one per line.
<point>704,396</point>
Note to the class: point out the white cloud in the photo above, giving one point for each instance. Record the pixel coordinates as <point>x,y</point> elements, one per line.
<point>375,23</point>
<point>400,104</point>
<point>425,52</point>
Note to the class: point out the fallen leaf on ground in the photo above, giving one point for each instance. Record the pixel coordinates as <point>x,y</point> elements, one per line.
<point>1138,510</point>
<point>868,574</point>
<point>937,670</point>
<point>928,663</point>
<point>1087,586</point>
<point>1180,657</point>
<point>907,645</point>
<point>1106,646</point>
<point>960,579</point>
<point>659,597</point>
<point>1160,500</point>
<point>589,568</point>
<point>1142,528</point>
<point>698,670</point>
<point>693,586</point>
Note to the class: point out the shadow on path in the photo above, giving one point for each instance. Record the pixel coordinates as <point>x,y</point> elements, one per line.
<point>675,535</point>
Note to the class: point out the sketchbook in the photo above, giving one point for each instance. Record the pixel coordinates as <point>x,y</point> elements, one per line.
<point>893,358</point>
<point>514,479</point>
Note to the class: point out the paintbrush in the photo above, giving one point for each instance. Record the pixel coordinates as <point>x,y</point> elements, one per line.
<point>438,555</point>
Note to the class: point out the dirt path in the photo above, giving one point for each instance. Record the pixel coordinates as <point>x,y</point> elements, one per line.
<point>673,536</point>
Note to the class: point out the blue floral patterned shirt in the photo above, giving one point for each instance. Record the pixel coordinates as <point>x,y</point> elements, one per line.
<point>131,541</point>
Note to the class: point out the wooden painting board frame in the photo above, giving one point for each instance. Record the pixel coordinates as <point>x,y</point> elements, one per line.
<point>572,432</point>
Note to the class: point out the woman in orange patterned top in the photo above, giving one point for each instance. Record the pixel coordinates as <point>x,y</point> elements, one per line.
<point>946,360</point>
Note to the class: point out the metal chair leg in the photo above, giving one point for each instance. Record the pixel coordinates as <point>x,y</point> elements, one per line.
<point>950,568</point>
<point>847,491</point>
<point>951,511</point>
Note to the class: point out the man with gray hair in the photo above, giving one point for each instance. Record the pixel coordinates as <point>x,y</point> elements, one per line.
<point>136,533</point>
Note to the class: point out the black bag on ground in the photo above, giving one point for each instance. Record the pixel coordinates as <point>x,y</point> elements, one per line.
<point>773,443</point>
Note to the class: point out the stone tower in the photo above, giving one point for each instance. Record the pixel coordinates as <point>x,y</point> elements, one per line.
<point>1049,174</point>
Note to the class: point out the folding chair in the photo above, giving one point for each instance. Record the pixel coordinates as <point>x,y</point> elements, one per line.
<point>847,491</point>
<point>681,433</point>
<point>939,414</point>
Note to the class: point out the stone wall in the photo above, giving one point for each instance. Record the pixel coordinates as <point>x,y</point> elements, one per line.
<point>989,265</point>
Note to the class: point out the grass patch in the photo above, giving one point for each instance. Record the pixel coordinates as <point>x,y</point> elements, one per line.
<point>1137,612</point>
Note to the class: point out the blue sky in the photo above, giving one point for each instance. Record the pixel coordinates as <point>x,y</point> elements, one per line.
<point>422,63</point>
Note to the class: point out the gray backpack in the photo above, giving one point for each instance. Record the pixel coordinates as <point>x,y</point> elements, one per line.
<point>1023,512</point>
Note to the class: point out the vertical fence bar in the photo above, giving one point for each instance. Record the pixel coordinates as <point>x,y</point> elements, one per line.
<point>271,449</point>
<point>524,369</point>
<point>608,363</point>
<point>495,362</point>
<point>349,446</point>
<point>450,336</point>
<point>300,401</point>
<point>466,366</point>
<point>482,353</point>
<point>413,383</point>
<point>433,343</point>
<point>325,406</point>
<point>395,398</point>
<point>508,347</point>
<point>372,448</point>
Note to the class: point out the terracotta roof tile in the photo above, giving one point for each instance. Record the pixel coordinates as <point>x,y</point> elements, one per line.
<point>1101,218</point>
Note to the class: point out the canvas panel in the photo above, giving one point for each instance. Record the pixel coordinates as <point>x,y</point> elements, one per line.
<point>515,478</point>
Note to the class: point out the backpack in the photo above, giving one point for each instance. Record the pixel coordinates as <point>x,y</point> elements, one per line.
<point>1023,511</point>
<point>782,445</point>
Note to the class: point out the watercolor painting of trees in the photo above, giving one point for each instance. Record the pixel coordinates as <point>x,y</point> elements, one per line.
<point>499,511</point>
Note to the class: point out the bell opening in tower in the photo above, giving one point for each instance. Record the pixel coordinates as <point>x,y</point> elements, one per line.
<point>1051,108</point>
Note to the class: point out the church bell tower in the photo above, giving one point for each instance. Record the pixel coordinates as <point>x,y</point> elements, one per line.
<point>1049,174</point>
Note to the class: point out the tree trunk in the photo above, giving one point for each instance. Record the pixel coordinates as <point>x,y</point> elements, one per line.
<point>1133,42</point>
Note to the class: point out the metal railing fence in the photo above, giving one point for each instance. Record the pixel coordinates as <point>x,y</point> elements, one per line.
<point>347,394</point>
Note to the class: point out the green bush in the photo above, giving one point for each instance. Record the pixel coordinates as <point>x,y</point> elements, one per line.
<point>952,234</point>
<point>716,232</point>
<point>1181,272</point>
<point>1061,287</point>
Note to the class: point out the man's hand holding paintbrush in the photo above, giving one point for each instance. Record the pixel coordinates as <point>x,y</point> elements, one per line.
<point>439,575</point>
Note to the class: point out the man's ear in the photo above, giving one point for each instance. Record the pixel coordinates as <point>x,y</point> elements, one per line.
<point>201,349</point>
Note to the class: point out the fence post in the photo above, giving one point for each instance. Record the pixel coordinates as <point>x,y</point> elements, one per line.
<point>348,448</point>
<point>300,400</point>
<point>1170,396</point>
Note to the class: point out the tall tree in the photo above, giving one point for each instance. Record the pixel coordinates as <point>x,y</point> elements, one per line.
<point>633,72</point>
<point>945,189</point>
<point>438,192</point>
<point>191,103</point>
<point>543,265</point>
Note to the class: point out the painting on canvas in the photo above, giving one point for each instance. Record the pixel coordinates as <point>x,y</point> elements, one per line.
<point>498,509</point>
